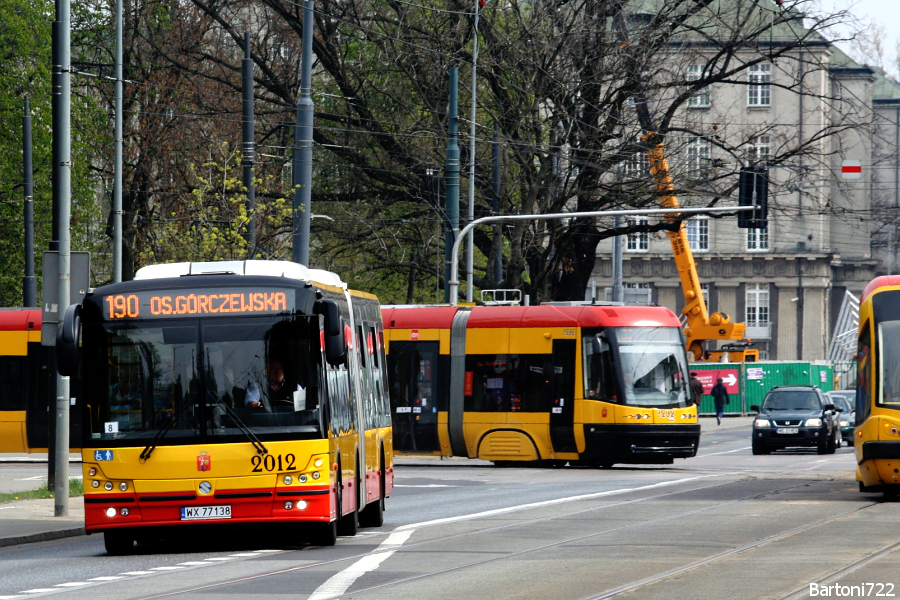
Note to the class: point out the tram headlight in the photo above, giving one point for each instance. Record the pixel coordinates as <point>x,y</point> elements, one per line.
<point>814,422</point>
<point>92,471</point>
<point>318,462</point>
<point>123,486</point>
<point>760,423</point>
<point>288,480</point>
<point>303,478</point>
<point>316,475</point>
<point>301,505</point>
<point>108,486</point>
<point>95,483</point>
<point>110,512</point>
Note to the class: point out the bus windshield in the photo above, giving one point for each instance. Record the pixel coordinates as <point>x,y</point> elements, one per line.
<point>190,381</point>
<point>649,363</point>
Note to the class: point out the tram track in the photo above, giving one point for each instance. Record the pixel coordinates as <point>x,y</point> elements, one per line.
<point>543,548</point>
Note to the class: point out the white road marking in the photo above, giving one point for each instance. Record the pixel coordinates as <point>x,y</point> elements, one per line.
<point>339,583</point>
<point>106,578</point>
<point>72,584</point>
<point>724,452</point>
<point>38,591</point>
<point>194,563</point>
<point>166,568</point>
<point>220,558</point>
<point>35,478</point>
<point>430,485</point>
<point>509,509</point>
<point>138,573</point>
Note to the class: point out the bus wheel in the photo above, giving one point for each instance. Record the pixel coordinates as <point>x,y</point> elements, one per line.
<point>118,542</point>
<point>323,534</point>
<point>348,525</point>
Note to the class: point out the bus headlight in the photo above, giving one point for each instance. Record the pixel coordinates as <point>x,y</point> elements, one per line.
<point>318,462</point>
<point>301,504</point>
<point>108,486</point>
<point>95,483</point>
<point>316,475</point>
<point>760,423</point>
<point>288,480</point>
<point>303,478</point>
<point>110,512</point>
<point>123,486</point>
<point>814,422</point>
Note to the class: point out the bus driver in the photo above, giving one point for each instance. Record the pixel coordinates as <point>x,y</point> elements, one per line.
<point>278,388</point>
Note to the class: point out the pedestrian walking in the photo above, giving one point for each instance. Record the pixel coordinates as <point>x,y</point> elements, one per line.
<point>696,389</point>
<point>720,398</point>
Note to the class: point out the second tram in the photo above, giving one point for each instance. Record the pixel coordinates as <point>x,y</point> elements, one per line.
<point>244,392</point>
<point>877,433</point>
<point>583,384</point>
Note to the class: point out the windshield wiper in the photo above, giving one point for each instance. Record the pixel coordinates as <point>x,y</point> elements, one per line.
<point>260,449</point>
<point>163,430</point>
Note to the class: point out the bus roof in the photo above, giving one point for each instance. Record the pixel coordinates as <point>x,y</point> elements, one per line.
<point>883,281</point>
<point>271,268</point>
<point>20,319</point>
<point>441,317</point>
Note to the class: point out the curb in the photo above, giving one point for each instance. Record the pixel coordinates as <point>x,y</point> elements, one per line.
<point>41,537</point>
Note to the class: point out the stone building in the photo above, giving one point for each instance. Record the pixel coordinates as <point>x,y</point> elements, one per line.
<point>832,226</point>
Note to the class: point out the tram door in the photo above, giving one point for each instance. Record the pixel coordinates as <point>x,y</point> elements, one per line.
<point>562,413</point>
<point>415,387</point>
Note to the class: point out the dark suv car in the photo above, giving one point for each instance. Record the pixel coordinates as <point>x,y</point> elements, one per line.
<point>795,416</point>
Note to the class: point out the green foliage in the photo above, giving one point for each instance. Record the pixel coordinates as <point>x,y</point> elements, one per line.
<point>26,41</point>
<point>76,489</point>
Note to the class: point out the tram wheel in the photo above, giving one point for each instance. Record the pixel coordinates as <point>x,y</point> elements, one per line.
<point>118,542</point>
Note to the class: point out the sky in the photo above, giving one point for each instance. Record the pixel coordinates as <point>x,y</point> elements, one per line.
<point>883,12</point>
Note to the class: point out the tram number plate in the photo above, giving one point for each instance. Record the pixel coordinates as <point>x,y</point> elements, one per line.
<point>787,430</point>
<point>199,513</point>
<point>666,414</point>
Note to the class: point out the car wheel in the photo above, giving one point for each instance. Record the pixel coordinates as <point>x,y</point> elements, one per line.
<point>832,442</point>
<point>822,447</point>
<point>759,448</point>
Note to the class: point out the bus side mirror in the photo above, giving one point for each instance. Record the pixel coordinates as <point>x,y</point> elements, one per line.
<point>68,337</point>
<point>335,344</point>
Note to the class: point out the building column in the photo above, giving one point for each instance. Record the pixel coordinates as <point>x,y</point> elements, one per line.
<point>726,300</point>
<point>786,321</point>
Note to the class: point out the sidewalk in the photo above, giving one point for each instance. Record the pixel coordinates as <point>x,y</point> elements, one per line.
<point>28,521</point>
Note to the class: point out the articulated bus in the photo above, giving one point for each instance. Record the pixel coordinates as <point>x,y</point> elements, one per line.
<point>27,384</point>
<point>242,392</point>
<point>877,432</point>
<point>551,384</point>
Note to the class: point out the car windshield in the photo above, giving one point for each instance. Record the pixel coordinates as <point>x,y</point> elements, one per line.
<point>840,402</point>
<point>797,400</point>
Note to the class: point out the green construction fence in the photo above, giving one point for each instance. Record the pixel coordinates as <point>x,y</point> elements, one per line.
<point>748,383</point>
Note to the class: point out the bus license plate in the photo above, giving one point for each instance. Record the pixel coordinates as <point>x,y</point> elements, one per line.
<point>199,513</point>
<point>787,430</point>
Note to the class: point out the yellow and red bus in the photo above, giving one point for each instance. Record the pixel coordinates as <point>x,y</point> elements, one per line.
<point>241,392</point>
<point>877,433</point>
<point>555,384</point>
<point>27,384</point>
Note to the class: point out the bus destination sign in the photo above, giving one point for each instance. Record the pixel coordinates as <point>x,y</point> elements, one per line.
<point>182,303</point>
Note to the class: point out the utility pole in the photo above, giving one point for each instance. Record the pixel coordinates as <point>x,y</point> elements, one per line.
<point>117,176</point>
<point>470,253</point>
<point>249,144</point>
<point>303,147</point>
<point>29,283</point>
<point>452,185</point>
<point>62,138</point>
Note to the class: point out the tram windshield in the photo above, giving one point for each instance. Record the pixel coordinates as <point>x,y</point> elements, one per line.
<point>889,358</point>
<point>184,381</point>
<point>636,366</point>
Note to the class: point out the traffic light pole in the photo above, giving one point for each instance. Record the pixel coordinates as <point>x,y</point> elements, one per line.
<point>671,213</point>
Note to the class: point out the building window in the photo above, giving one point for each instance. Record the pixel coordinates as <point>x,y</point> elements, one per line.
<point>637,242</point>
<point>757,305</point>
<point>759,92</point>
<point>701,98</point>
<point>758,239</point>
<point>698,233</point>
<point>697,157</point>
<point>759,149</point>
<point>636,167</point>
<point>704,288</point>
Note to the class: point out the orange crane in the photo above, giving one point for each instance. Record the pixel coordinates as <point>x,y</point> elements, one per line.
<point>700,326</point>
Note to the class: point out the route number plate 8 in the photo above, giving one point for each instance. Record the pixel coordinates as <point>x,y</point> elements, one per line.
<point>199,513</point>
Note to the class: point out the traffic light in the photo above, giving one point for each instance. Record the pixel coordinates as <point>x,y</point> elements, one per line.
<point>753,189</point>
